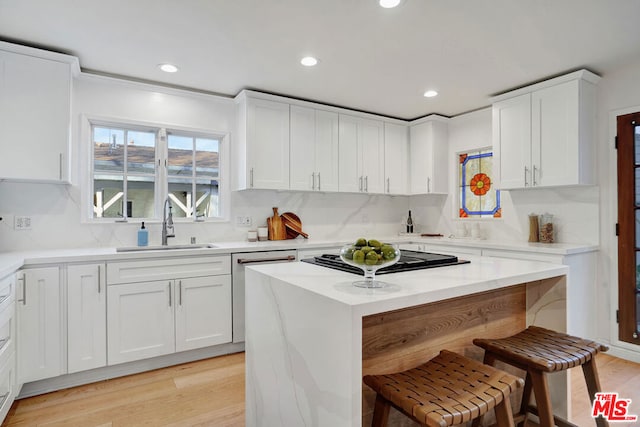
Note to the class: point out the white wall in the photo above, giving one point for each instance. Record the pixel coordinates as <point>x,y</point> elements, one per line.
<point>618,93</point>
<point>56,210</point>
<point>575,209</point>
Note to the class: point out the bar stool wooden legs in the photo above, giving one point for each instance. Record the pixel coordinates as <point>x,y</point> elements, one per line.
<point>539,351</point>
<point>447,390</point>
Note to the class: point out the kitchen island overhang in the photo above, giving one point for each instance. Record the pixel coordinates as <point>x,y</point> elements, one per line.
<point>304,326</point>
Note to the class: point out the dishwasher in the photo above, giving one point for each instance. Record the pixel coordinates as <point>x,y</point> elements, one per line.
<point>239,261</point>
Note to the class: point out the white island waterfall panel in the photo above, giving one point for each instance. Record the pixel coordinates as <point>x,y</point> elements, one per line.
<point>301,354</point>
<point>304,330</point>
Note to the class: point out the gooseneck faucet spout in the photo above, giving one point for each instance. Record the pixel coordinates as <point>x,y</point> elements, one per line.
<point>167,222</point>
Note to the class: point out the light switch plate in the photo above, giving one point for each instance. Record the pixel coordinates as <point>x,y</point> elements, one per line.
<point>22,222</point>
<point>243,221</point>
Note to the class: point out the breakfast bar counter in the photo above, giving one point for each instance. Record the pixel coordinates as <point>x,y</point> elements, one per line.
<point>311,335</point>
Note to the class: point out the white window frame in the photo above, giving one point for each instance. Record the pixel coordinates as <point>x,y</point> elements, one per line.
<point>86,174</point>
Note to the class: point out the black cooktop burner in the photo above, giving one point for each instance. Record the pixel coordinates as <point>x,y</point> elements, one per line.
<point>409,260</point>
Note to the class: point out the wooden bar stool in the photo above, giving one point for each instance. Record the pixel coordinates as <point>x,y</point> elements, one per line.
<point>447,390</point>
<point>538,351</point>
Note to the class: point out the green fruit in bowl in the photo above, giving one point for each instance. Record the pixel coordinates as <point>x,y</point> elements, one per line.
<point>358,257</point>
<point>349,253</point>
<point>374,243</point>
<point>371,258</point>
<point>366,249</point>
<point>361,242</point>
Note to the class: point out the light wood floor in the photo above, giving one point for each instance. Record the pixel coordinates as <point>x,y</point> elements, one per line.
<point>211,393</point>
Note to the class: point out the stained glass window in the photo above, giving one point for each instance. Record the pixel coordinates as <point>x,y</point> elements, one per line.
<point>478,196</point>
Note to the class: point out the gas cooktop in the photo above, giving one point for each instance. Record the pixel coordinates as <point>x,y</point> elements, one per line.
<point>409,260</point>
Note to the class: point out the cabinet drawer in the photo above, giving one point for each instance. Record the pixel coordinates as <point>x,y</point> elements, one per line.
<point>7,331</point>
<point>7,383</point>
<point>7,286</point>
<point>167,269</point>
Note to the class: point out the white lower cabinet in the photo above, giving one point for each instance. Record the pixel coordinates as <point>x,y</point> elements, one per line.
<point>153,318</point>
<point>140,321</point>
<point>86,317</point>
<point>40,324</point>
<point>8,383</point>
<point>203,312</point>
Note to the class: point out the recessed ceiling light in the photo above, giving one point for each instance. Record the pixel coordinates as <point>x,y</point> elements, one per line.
<point>388,4</point>
<point>308,61</point>
<point>168,68</point>
<point>430,93</point>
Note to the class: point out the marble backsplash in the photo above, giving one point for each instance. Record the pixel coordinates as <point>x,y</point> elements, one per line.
<point>56,217</point>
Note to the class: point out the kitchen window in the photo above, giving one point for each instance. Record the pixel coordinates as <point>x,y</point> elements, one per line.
<point>135,168</point>
<point>478,196</point>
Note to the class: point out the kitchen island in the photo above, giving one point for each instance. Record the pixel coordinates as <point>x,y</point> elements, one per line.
<point>311,335</point>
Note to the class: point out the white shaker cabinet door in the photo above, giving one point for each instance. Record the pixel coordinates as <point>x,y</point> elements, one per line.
<point>268,144</point>
<point>35,117</point>
<point>512,141</point>
<point>326,151</point>
<point>371,146</point>
<point>303,135</point>
<point>203,312</point>
<point>87,317</point>
<point>396,158</point>
<point>140,321</point>
<point>40,322</point>
<point>350,175</point>
<point>555,135</point>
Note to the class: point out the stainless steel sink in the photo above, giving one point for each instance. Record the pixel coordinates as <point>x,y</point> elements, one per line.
<point>165,248</point>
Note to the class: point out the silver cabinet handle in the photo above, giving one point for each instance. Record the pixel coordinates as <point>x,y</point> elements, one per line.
<point>428,184</point>
<point>366,184</point>
<point>313,181</point>
<point>251,178</point>
<point>24,290</point>
<point>318,181</point>
<point>60,166</point>
<point>388,191</point>
<point>526,184</point>
<point>170,294</point>
<point>275,259</point>
<point>98,278</point>
<point>534,175</point>
<point>180,292</point>
<point>360,182</point>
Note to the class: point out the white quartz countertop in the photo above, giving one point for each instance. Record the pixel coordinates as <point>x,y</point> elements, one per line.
<point>413,287</point>
<point>12,261</point>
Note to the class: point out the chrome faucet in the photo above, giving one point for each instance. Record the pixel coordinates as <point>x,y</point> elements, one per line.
<point>167,222</point>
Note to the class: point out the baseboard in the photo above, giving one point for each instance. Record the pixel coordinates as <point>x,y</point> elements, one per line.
<point>624,353</point>
<point>109,372</point>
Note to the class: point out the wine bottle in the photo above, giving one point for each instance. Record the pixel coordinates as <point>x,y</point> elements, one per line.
<point>409,224</point>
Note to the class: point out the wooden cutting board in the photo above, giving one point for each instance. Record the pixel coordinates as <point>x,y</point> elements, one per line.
<point>275,226</point>
<point>293,225</point>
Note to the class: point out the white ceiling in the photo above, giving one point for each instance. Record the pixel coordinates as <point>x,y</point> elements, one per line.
<point>371,59</point>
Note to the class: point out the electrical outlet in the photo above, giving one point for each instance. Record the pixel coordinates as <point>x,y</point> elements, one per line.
<point>22,222</point>
<point>244,221</point>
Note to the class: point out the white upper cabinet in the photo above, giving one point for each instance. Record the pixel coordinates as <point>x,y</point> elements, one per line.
<point>361,155</point>
<point>35,114</point>
<point>396,158</point>
<point>261,150</point>
<point>314,149</point>
<point>429,156</point>
<point>543,135</point>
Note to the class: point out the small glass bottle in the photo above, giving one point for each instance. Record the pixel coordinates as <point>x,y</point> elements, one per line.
<point>409,224</point>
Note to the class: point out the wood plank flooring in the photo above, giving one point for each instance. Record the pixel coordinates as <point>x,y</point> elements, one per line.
<point>211,393</point>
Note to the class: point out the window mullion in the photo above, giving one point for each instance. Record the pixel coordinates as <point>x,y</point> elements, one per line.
<point>125,175</point>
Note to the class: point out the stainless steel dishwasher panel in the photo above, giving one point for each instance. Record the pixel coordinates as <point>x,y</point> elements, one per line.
<point>239,261</point>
